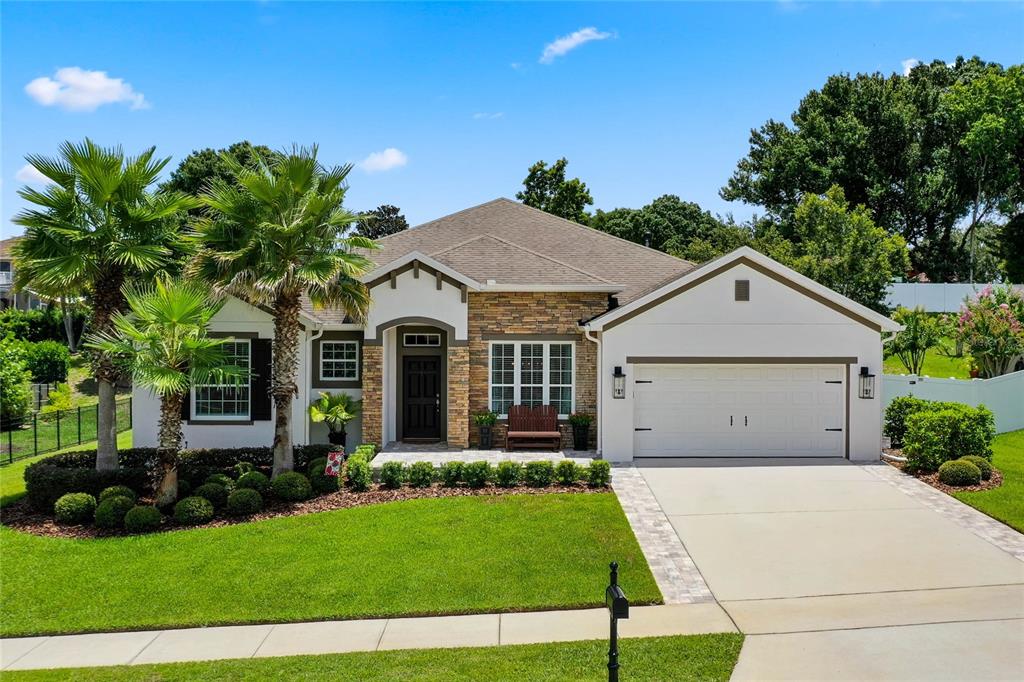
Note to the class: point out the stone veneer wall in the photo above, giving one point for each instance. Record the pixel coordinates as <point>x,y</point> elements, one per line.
<point>373,396</point>
<point>458,396</point>
<point>530,313</point>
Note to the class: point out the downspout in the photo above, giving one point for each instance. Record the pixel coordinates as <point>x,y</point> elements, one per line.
<point>600,380</point>
<point>309,372</point>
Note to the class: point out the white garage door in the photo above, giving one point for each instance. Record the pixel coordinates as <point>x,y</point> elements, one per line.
<point>740,410</point>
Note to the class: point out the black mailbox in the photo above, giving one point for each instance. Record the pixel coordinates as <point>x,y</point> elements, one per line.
<point>615,600</point>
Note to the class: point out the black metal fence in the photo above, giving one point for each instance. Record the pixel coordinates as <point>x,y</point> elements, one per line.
<point>44,432</point>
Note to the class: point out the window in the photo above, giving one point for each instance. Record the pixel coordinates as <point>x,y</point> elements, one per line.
<point>339,360</point>
<point>532,373</point>
<point>414,340</point>
<point>225,401</point>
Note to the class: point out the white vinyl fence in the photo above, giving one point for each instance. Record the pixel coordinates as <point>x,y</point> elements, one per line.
<point>1003,395</point>
<point>934,298</point>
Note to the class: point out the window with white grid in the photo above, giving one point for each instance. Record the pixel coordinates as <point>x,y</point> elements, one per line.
<point>532,373</point>
<point>339,360</point>
<point>228,400</point>
<point>503,377</point>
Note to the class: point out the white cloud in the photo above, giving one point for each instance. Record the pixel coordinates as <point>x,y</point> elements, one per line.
<point>561,46</point>
<point>76,89</point>
<point>480,115</point>
<point>30,176</point>
<point>383,161</point>
<point>909,64</point>
<point>516,65</point>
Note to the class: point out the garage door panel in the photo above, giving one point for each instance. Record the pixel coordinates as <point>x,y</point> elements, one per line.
<point>739,410</point>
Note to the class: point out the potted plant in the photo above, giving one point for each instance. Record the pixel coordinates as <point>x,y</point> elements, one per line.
<point>485,422</point>
<point>580,430</point>
<point>336,410</point>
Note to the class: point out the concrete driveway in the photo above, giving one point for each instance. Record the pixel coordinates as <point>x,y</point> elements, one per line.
<point>834,573</point>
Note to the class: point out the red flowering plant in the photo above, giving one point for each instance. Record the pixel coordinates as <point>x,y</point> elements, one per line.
<point>991,327</point>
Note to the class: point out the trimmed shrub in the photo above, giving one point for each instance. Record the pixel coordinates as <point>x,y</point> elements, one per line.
<point>242,468</point>
<point>111,512</point>
<point>15,392</point>
<point>567,472</point>
<point>896,414</point>
<point>74,508</point>
<point>392,475</point>
<point>599,474</point>
<point>984,466</point>
<point>451,474</point>
<point>254,480</point>
<point>959,472</point>
<point>221,479</point>
<point>321,482</point>
<point>508,474</point>
<point>539,474</point>
<point>193,511</point>
<point>366,449</point>
<point>214,492</point>
<point>421,474</point>
<point>196,465</point>
<point>142,519</point>
<point>48,361</point>
<point>184,488</point>
<point>358,474</point>
<point>291,486</point>
<point>937,436</point>
<point>244,501</point>
<point>477,474</point>
<point>118,491</point>
<point>75,472</point>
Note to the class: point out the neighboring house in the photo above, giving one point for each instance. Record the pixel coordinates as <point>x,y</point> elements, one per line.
<point>502,304</point>
<point>23,300</point>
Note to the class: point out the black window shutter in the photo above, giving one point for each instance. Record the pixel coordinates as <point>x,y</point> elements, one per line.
<point>186,405</point>
<point>260,382</point>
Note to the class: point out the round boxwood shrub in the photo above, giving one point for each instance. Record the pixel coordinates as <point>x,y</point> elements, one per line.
<point>254,480</point>
<point>477,474</point>
<point>215,493</point>
<point>142,519</point>
<point>421,474</point>
<point>358,473</point>
<point>392,474</point>
<point>244,501</point>
<point>118,491</point>
<point>983,465</point>
<point>221,479</point>
<point>508,474</point>
<point>451,474</point>
<point>567,472</point>
<point>539,474</point>
<point>321,482</point>
<point>959,472</point>
<point>291,487</point>
<point>599,474</point>
<point>193,511</point>
<point>111,512</point>
<point>74,508</point>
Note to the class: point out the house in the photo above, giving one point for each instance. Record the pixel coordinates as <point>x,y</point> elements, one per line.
<point>503,304</point>
<point>23,300</point>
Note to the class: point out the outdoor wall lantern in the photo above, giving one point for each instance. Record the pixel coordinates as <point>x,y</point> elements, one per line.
<point>867,384</point>
<point>618,383</point>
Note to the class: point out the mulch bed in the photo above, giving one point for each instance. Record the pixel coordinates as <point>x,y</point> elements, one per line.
<point>932,479</point>
<point>20,516</point>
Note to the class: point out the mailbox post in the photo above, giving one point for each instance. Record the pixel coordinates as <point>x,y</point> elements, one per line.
<point>618,607</point>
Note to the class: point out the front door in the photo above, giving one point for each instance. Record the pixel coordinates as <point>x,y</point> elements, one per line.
<point>422,397</point>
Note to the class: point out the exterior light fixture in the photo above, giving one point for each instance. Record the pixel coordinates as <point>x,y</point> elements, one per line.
<point>618,383</point>
<point>867,384</point>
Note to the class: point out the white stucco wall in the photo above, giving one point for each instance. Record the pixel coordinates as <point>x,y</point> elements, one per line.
<point>706,321</point>
<point>417,297</point>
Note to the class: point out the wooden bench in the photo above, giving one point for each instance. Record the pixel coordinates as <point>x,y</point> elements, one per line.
<point>533,427</point>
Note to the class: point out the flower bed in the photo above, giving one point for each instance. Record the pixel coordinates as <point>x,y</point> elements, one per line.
<point>932,477</point>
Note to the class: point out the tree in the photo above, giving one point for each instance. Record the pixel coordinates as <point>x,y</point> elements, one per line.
<point>668,223</point>
<point>547,189</point>
<point>164,341</point>
<point>890,143</point>
<point>94,228</point>
<point>1010,248</point>
<point>921,332</point>
<point>843,249</point>
<point>197,170</point>
<point>381,222</point>
<point>272,236</point>
<point>761,234</point>
<point>992,328</point>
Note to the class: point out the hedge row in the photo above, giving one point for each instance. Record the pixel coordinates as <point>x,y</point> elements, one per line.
<point>933,432</point>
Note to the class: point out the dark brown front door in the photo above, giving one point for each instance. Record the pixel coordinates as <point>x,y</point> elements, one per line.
<point>422,400</point>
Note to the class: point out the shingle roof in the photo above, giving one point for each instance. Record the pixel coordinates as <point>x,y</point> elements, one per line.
<point>7,245</point>
<point>511,243</point>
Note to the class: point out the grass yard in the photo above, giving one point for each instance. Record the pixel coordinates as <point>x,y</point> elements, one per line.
<point>12,481</point>
<point>418,557</point>
<point>696,657</point>
<point>1006,502</point>
<point>936,365</point>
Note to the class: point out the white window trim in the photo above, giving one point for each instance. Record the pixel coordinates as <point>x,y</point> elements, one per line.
<point>432,336</point>
<point>345,341</point>
<point>517,376</point>
<point>247,417</point>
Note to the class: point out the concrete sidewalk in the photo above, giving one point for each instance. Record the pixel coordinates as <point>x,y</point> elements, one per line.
<point>328,637</point>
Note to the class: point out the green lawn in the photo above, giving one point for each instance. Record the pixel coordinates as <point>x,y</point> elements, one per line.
<point>696,657</point>
<point>936,365</point>
<point>428,556</point>
<point>1006,502</point>
<point>12,481</point>
<point>59,430</point>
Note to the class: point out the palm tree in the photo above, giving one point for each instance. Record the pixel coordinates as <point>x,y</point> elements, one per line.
<point>163,339</point>
<point>94,228</point>
<point>336,410</point>
<point>273,236</point>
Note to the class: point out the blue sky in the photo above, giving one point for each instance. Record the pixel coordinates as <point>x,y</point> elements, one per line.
<point>457,100</point>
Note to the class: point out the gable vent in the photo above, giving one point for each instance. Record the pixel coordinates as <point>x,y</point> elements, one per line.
<point>743,290</point>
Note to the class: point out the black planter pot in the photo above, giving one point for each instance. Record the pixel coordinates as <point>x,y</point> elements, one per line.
<point>580,436</point>
<point>335,438</point>
<point>486,437</point>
